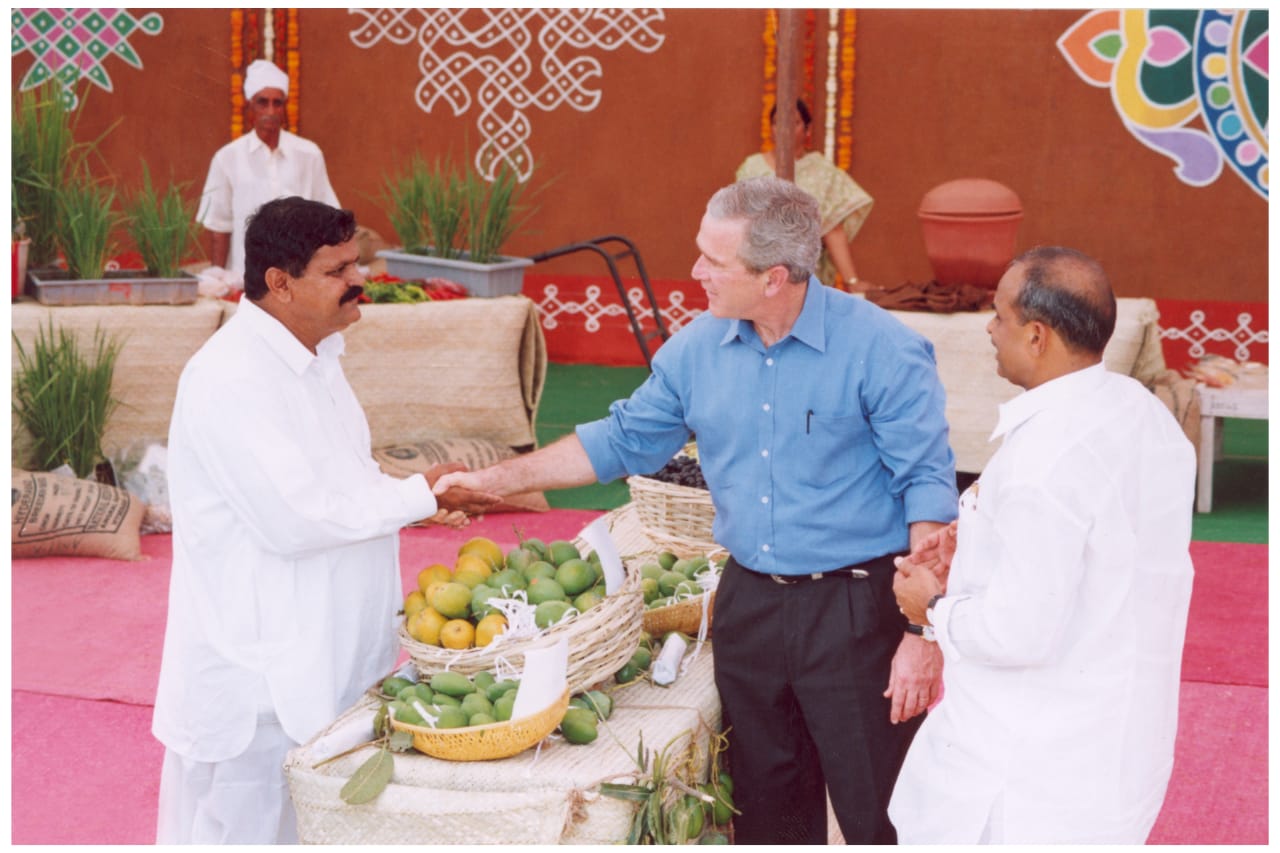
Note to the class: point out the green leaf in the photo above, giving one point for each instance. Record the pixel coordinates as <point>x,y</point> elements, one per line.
<point>369,780</point>
<point>634,793</point>
<point>638,824</point>
<point>400,741</point>
<point>380,722</point>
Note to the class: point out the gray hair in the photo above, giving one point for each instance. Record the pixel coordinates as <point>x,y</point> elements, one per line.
<point>784,227</point>
<point>1070,293</point>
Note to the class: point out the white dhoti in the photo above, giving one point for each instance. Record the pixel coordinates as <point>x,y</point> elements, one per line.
<point>243,800</point>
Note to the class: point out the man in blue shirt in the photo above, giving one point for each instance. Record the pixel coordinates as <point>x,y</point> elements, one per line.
<point>821,435</point>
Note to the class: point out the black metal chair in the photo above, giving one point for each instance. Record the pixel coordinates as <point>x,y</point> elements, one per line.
<point>611,258</point>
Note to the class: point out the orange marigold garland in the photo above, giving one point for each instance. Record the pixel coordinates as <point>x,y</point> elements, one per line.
<point>844,131</point>
<point>292,62</point>
<point>770,77</point>
<point>237,78</point>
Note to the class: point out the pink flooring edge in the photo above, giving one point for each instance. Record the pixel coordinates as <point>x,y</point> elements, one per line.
<point>100,787</point>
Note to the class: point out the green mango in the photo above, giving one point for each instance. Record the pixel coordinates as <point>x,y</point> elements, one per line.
<point>503,705</point>
<point>452,683</point>
<point>579,726</point>
<point>394,684</point>
<point>497,689</point>
<point>452,718</point>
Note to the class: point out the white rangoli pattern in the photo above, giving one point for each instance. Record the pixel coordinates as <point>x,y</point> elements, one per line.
<point>489,55</point>
<point>674,316</point>
<point>1198,333</point>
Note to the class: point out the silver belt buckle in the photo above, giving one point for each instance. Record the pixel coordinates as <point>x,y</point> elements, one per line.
<point>782,580</point>
<point>859,573</point>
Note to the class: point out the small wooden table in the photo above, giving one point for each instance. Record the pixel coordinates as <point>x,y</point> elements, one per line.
<point>1235,401</point>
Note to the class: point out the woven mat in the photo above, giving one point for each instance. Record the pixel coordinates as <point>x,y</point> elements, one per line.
<point>466,367</point>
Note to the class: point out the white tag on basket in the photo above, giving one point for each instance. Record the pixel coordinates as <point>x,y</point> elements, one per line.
<point>546,672</point>
<point>596,534</point>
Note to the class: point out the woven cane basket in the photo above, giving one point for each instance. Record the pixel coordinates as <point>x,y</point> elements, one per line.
<point>488,742</point>
<point>601,640</point>
<point>685,617</point>
<point>677,518</point>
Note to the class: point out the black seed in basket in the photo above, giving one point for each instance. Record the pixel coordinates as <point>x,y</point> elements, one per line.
<point>682,471</point>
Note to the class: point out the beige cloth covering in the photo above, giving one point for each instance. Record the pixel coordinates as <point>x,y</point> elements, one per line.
<point>465,368</point>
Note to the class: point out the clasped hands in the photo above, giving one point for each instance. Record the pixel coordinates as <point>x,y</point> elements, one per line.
<point>915,674</point>
<point>922,574</point>
<point>456,503</point>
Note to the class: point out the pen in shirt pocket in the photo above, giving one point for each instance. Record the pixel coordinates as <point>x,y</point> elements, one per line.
<point>807,418</point>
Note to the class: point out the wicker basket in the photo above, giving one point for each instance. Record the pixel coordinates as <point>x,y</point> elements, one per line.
<point>677,518</point>
<point>488,742</point>
<point>601,641</point>
<point>685,617</point>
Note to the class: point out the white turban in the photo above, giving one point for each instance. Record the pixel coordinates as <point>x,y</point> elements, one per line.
<point>262,74</point>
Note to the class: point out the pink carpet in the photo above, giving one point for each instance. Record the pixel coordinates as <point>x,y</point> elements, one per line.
<point>72,617</point>
<point>1218,791</point>
<point>1227,635</point>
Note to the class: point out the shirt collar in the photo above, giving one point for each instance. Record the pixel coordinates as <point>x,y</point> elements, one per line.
<point>256,144</point>
<point>1055,392</point>
<point>809,328</point>
<point>282,341</point>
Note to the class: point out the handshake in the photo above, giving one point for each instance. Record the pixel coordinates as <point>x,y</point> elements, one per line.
<point>456,502</point>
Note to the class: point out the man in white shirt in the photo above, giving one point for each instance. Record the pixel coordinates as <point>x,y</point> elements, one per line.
<point>285,580</point>
<point>1060,599</point>
<point>268,163</point>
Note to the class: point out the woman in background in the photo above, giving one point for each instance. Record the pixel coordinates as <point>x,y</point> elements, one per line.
<point>842,203</point>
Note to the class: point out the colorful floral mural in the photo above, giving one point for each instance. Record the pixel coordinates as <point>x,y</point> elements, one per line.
<point>1190,84</point>
<point>71,44</point>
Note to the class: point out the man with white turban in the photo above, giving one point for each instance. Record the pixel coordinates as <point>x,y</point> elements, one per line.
<point>269,163</point>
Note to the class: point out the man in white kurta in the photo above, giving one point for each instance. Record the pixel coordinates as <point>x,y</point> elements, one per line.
<point>285,580</point>
<point>1065,607</point>
<point>269,162</point>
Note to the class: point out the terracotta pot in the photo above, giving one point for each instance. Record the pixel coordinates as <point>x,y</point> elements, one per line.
<point>970,228</point>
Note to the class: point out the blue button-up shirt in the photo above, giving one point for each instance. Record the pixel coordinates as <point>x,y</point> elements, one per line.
<point>818,451</point>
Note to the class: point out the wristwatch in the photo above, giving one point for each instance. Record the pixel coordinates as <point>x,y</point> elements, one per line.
<point>925,632</point>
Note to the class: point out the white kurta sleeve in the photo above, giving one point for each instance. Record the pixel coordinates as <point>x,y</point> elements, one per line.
<point>1018,619</point>
<point>215,212</point>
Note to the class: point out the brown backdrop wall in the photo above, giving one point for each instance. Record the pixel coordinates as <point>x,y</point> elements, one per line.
<point>939,95</point>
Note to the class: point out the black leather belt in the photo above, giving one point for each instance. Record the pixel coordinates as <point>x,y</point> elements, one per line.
<point>846,572</point>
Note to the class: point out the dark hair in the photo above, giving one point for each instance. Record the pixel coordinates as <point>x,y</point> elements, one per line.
<point>801,107</point>
<point>1068,291</point>
<point>285,233</point>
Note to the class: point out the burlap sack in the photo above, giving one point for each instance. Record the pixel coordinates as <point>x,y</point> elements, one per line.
<point>405,460</point>
<point>53,515</point>
<point>157,341</point>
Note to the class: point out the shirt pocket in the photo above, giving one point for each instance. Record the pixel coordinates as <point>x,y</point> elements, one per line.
<point>825,451</point>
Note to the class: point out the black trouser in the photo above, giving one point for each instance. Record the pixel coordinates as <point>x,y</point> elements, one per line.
<point>801,669</point>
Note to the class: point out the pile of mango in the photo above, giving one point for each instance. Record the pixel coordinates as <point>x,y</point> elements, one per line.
<point>669,579</point>
<point>450,607</point>
<point>450,700</point>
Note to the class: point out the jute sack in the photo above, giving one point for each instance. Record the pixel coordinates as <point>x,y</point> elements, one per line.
<point>53,515</point>
<point>405,460</point>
